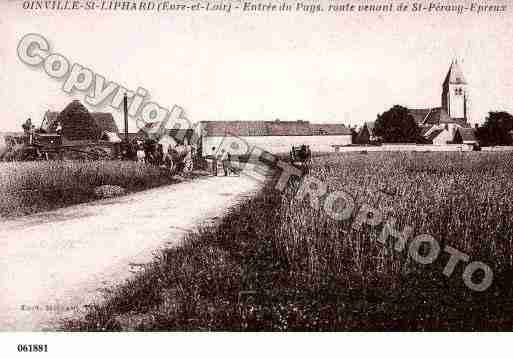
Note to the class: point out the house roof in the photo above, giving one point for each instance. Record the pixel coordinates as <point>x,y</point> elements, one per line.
<point>455,75</point>
<point>272,128</point>
<point>105,122</point>
<point>467,134</point>
<point>419,114</point>
<point>51,119</point>
<point>369,126</point>
<point>434,134</point>
<point>435,116</point>
<point>424,130</point>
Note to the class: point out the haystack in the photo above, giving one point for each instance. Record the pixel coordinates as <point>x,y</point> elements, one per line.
<point>77,123</point>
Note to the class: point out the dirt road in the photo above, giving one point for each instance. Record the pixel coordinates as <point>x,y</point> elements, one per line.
<point>54,263</point>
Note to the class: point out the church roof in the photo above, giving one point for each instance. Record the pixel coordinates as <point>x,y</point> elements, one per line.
<point>420,114</point>
<point>455,75</point>
<point>434,116</point>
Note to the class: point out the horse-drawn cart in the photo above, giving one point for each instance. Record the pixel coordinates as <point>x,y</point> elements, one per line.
<point>300,157</point>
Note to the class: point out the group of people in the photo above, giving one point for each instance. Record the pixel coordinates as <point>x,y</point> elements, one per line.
<point>178,158</point>
<point>226,161</point>
<point>142,151</point>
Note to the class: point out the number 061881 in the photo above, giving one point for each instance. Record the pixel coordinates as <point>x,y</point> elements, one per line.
<point>27,348</point>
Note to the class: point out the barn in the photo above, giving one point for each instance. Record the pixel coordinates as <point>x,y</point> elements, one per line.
<point>274,136</point>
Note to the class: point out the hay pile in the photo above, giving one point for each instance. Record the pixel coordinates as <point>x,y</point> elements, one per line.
<point>77,123</point>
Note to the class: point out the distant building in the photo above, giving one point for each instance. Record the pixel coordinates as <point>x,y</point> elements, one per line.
<point>366,134</point>
<point>466,136</point>
<point>274,136</point>
<point>439,125</point>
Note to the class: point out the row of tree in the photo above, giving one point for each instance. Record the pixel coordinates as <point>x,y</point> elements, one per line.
<point>397,125</point>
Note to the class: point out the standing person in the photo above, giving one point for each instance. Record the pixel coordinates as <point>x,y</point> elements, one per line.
<point>224,162</point>
<point>139,151</point>
<point>188,163</point>
<point>29,130</point>
<point>214,162</point>
<point>227,164</point>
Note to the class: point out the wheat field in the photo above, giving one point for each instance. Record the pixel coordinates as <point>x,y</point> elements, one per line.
<point>277,263</point>
<point>29,187</point>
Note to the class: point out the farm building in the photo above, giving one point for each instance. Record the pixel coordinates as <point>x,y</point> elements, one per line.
<point>274,136</point>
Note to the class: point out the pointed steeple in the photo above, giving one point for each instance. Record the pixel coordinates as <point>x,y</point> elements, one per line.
<point>455,75</point>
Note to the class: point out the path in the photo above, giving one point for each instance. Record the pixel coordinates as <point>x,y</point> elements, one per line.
<point>54,263</point>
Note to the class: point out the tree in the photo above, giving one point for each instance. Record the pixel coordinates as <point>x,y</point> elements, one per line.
<point>497,129</point>
<point>397,125</point>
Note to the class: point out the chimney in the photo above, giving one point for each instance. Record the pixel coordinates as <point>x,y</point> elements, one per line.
<point>125,108</point>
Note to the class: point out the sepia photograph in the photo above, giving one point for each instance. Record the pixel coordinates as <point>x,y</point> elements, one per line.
<point>231,167</point>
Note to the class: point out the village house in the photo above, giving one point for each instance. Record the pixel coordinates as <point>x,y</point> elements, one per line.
<point>366,134</point>
<point>274,136</point>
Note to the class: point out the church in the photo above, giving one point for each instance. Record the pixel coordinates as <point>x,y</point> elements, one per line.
<point>449,123</point>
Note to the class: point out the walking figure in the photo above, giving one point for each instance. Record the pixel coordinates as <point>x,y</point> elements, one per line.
<point>227,157</point>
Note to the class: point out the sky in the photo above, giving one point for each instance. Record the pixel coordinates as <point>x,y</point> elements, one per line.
<point>324,68</point>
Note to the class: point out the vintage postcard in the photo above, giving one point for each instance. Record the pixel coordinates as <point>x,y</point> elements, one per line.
<point>248,166</point>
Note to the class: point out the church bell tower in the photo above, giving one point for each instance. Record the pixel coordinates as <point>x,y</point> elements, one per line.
<point>454,93</point>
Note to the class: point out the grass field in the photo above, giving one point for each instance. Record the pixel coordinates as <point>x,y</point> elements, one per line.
<point>276,263</point>
<point>29,187</point>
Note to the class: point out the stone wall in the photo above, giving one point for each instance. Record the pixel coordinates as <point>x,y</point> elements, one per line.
<point>273,144</point>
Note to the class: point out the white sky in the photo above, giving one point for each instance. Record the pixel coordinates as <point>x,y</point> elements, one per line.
<point>322,68</point>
